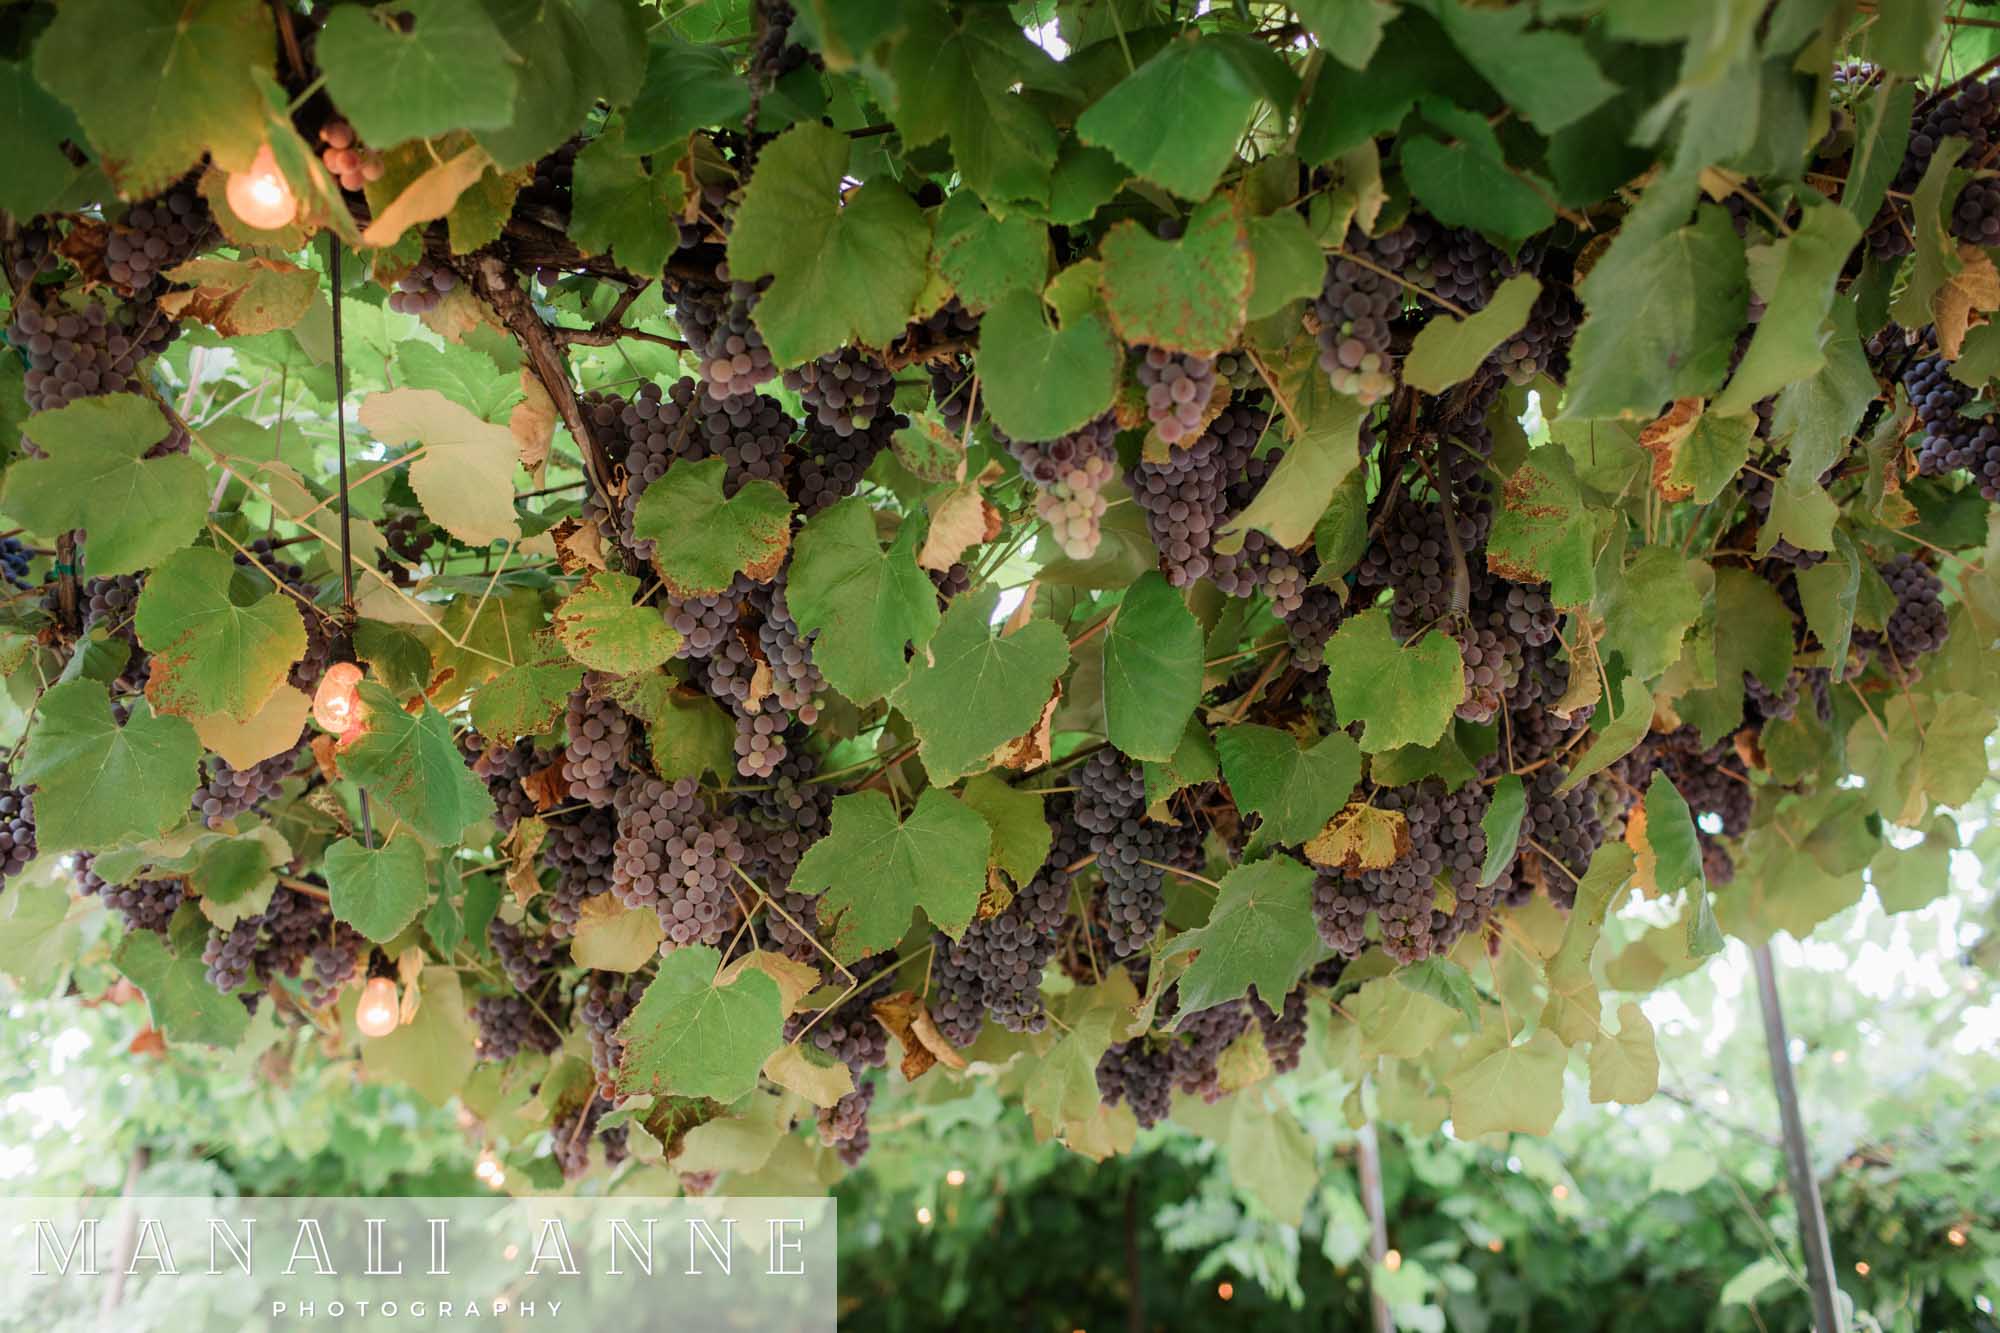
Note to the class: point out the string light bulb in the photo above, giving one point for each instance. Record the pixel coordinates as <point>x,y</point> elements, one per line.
<point>954,1177</point>
<point>262,196</point>
<point>923,1216</point>
<point>380,1010</point>
<point>1862,1268</point>
<point>1393,1260</point>
<point>1956,1236</point>
<point>337,702</point>
<point>1225,1290</point>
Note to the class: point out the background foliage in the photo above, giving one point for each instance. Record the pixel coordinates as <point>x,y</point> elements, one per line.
<point>642,556</point>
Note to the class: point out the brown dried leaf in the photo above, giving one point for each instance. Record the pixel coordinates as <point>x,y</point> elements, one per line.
<point>909,1021</point>
<point>457,313</point>
<point>1586,674</point>
<point>761,683</point>
<point>1965,298</point>
<point>547,787</point>
<point>795,980</point>
<point>150,1041</point>
<point>324,748</point>
<point>533,422</point>
<point>998,897</point>
<point>521,846</point>
<point>1663,440</point>
<point>1032,749</point>
<point>960,518</point>
<point>1361,837</point>
<point>238,297</point>
<point>1023,613</point>
<point>1646,863</point>
<point>579,546</point>
<point>1750,749</point>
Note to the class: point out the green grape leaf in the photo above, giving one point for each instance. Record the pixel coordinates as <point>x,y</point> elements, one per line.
<point>1515,1088</point>
<point>1021,833</point>
<point>1548,77</point>
<point>1712,454</point>
<point>1292,790</point>
<point>869,607</point>
<point>1803,516</point>
<point>1286,263</point>
<point>688,732</point>
<point>1753,632</point>
<point>1828,592</point>
<point>872,870</point>
<point>961,77</point>
<point>213,653</point>
<point>38,937</point>
<point>1259,933</point>
<point>1194,762</point>
<point>1322,451</point>
<point>1937,254</point>
<point>1816,416</point>
<point>1447,983</point>
<point>410,762</point>
<point>524,700</point>
<point>1625,1066</point>
<point>692,1036</point>
<point>1401,695</point>
<point>702,539</point>
<point>1186,295</point>
<point>1008,680</point>
<point>35,173</point>
<point>1213,83</point>
<point>1619,737</point>
<point>624,206</point>
<point>1152,670</point>
<point>605,630</point>
<point>1648,608</point>
<point>1469,184</point>
<point>433,1054</point>
<point>575,51</point>
<point>98,784</point>
<point>157,83</point>
<point>1502,826</point>
<point>1449,350</point>
<point>1786,348</point>
<point>1348,107</point>
<point>448,69</point>
<point>841,270</point>
<point>1663,311</point>
<point>687,87</point>
<point>377,890</point>
<point>984,257</point>
<point>1882,133</point>
<point>138,510</point>
<point>1349,30</point>
<point>1084,180</point>
<point>184,1005</point>
<point>464,473</point>
<point>1038,381</point>
<point>1545,531</point>
<point>1574,1004</point>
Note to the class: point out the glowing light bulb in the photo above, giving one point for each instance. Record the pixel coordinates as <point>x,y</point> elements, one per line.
<point>1393,1260</point>
<point>1225,1290</point>
<point>1493,1245</point>
<point>337,702</point>
<point>1862,1268</point>
<point>262,196</point>
<point>1955,1236</point>
<point>954,1177</point>
<point>1559,1193</point>
<point>923,1217</point>
<point>379,1012</point>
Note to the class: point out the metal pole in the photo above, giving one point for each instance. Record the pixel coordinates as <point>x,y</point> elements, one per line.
<point>1370,1162</point>
<point>1798,1162</point>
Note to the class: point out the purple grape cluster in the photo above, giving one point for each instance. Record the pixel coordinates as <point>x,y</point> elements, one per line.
<point>156,235</point>
<point>844,390</point>
<point>716,321</point>
<point>1186,496</point>
<point>599,744</point>
<point>1178,388</point>
<point>1068,475</point>
<point>226,791</point>
<point>1919,624</point>
<point>1131,849</point>
<point>143,904</point>
<point>510,1024</point>
<point>419,291</point>
<point>607,1000</point>
<point>17,827</point>
<point>674,857</point>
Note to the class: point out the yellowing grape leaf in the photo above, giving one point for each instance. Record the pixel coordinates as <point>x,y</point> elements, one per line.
<point>464,476</point>
<point>215,649</point>
<point>1361,837</point>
